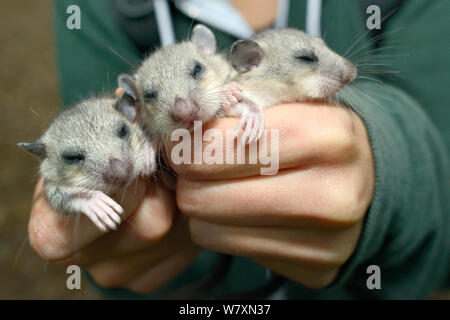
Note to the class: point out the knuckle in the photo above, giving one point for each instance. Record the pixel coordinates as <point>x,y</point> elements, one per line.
<point>334,259</point>
<point>182,169</point>
<point>161,227</point>
<point>340,139</point>
<point>137,289</point>
<point>106,276</point>
<point>204,235</point>
<point>195,230</point>
<point>154,218</point>
<point>344,205</point>
<point>337,141</point>
<point>151,234</point>
<point>189,200</point>
<point>104,280</point>
<point>323,260</point>
<point>195,171</point>
<point>328,262</point>
<point>321,280</point>
<point>146,237</point>
<point>152,231</point>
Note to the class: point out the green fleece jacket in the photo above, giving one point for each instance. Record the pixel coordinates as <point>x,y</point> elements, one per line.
<point>407,115</point>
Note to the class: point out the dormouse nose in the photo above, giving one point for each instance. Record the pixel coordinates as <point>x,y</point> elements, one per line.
<point>184,110</point>
<point>348,72</point>
<point>118,171</point>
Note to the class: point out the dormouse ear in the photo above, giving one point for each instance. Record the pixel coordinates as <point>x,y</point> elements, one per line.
<point>128,84</point>
<point>204,38</point>
<point>34,147</point>
<point>128,103</point>
<point>246,55</point>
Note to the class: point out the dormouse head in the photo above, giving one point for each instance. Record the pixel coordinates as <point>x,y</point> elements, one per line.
<point>179,84</point>
<point>95,145</point>
<point>291,56</point>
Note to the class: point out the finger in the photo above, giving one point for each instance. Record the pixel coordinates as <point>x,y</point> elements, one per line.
<point>51,233</point>
<point>53,238</point>
<point>151,221</point>
<point>164,272</point>
<point>331,197</point>
<point>121,270</point>
<point>307,134</point>
<point>308,247</point>
<point>315,278</point>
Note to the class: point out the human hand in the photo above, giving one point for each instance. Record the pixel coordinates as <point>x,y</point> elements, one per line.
<point>303,223</point>
<point>148,250</point>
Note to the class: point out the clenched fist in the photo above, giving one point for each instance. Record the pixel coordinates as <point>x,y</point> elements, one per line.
<point>304,222</point>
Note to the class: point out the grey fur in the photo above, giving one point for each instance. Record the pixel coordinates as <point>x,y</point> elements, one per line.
<point>279,64</point>
<point>59,197</point>
<point>91,127</point>
<point>167,72</point>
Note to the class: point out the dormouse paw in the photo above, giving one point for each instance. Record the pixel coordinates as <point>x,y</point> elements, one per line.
<point>251,125</point>
<point>103,211</point>
<point>231,95</point>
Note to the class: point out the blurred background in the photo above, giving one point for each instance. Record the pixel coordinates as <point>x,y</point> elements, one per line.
<point>29,100</point>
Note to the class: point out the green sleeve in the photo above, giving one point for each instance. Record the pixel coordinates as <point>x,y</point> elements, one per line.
<point>89,60</point>
<point>407,227</point>
<point>417,47</point>
<point>412,157</point>
<point>406,230</point>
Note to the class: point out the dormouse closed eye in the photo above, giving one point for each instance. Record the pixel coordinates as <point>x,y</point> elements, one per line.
<point>197,70</point>
<point>72,157</point>
<point>123,130</point>
<point>150,95</point>
<point>306,57</point>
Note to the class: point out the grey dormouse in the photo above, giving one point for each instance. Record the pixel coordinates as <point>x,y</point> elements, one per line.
<point>89,151</point>
<point>281,66</point>
<point>180,84</point>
